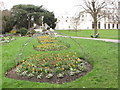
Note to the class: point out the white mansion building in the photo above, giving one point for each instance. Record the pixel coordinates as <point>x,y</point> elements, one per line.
<point>86,22</point>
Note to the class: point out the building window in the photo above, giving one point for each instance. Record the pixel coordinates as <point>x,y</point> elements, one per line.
<point>117,26</point>
<point>98,25</point>
<point>108,26</point>
<point>98,16</point>
<point>113,26</point>
<point>105,26</point>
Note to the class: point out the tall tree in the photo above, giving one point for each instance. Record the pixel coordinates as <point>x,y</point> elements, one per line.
<point>94,8</point>
<point>116,10</point>
<point>50,19</point>
<point>7,21</point>
<point>27,15</point>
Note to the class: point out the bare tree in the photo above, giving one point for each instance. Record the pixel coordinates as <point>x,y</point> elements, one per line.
<point>96,9</point>
<point>116,5</point>
<point>76,21</point>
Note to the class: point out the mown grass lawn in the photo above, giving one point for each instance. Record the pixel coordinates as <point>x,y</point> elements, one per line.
<point>0,67</point>
<point>102,55</point>
<point>107,34</point>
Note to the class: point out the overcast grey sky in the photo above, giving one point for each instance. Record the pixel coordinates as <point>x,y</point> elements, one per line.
<point>59,7</point>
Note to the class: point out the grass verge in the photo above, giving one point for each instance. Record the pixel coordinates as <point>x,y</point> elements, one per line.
<point>106,34</point>
<point>102,55</point>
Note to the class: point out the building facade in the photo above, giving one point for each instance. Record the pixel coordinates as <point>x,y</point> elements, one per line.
<point>109,21</point>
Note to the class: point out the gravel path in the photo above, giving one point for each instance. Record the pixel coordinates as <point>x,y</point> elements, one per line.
<point>106,40</point>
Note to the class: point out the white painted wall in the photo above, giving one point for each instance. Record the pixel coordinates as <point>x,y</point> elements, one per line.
<point>85,23</point>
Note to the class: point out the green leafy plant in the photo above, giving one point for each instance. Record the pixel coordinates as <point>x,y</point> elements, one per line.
<point>30,75</point>
<point>77,71</point>
<point>60,75</point>
<point>49,75</point>
<point>71,73</point>
<point>40,76</point>
<point>24,73</point>
<point>17,70</point>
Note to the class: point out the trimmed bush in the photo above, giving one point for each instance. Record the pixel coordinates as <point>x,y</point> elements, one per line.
<point>23,31</point>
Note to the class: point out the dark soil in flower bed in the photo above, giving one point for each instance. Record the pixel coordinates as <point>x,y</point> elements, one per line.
<point>54,79</point>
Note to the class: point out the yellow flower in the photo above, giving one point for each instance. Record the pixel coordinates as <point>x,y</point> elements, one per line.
<point>33,69</point>
<point>45,67</point>
<point>63,69</point>
<point>23,61</point>
<point>44,61</point>
<point>67,55</point>
<point>78,59</point>
<point>58,55</point>
<point>76,62</point>
<point>56,64</point>
<point>73,65</point>
<point>20,66</point>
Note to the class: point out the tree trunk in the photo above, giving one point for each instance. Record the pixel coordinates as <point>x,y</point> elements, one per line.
<point>95,28</point>
<point>95,25</point>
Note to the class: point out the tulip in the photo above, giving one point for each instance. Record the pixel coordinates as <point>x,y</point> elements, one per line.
<point>63,69</point>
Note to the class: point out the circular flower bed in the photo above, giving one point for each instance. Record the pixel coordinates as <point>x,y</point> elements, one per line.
<point>50,67</point>
<point>53,68</point>
<point>56,64</point>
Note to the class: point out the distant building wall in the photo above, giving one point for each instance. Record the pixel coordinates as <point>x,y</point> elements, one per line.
<point>86,22</point>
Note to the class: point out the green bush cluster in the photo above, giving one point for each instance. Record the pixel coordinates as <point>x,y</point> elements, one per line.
<point>23,31</point>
